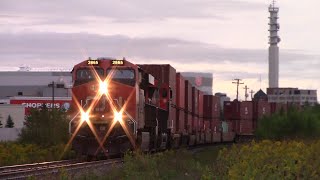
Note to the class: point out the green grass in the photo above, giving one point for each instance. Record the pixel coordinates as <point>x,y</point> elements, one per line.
<point>179,164</point>
<point>12,153</point>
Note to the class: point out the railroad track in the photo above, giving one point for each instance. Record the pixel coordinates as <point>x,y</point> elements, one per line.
<point>50,168</point>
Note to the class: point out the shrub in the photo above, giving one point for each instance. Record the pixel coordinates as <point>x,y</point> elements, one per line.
<point>293,124</point>
<point>45,127</point>
<point>13,153</point>
<point>271,160</point>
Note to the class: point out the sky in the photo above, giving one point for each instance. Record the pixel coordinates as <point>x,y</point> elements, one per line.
<point>228,38</point>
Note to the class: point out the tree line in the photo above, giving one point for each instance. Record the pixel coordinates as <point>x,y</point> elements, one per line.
<point>9,122</point>
<point>291,124</point>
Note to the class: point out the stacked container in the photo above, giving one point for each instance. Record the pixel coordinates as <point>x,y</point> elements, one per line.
<point>201,122</point>
<point>165,74</point>
<point>195,109</point>
<point>245,124</point>
<point>181,105</point>
<point>261,108</point>
<point>188,106</point>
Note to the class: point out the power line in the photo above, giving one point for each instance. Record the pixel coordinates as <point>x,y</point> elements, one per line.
<point>237,81</point>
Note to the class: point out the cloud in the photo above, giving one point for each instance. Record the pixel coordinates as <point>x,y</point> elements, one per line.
<point>63,50</point>
<point>74,11</point>
<point>47,48</point>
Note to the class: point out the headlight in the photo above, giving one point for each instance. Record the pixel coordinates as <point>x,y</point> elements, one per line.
<point>85,116</point>
<point>103,88</point>
<point>118,116</point>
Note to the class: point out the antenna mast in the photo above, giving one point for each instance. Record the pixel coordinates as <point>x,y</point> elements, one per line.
<point>274,39</point>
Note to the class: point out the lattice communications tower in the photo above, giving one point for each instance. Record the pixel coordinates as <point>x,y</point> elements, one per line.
<point>274,39</point>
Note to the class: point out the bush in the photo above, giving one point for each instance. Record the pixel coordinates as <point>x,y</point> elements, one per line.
<point>293,124</point>
<point>13,153</point>
<point>45,127</point>
<point>271,160</point>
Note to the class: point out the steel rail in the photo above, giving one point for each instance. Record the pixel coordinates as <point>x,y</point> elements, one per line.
<point>50,168</point>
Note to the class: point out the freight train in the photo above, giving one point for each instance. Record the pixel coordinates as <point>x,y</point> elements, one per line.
<point>119,106</point>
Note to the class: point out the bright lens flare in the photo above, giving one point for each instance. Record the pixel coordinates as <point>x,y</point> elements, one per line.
<point>84,116</point>
<point>118,116</point>
<point>103,87</point>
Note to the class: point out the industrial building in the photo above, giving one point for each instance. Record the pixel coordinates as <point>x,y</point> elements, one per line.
<point>38,84</point>
<point>22,90</point>
<point>203,81</point>
<point>292,95</point>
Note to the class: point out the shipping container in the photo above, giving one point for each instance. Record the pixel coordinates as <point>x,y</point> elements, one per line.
<point>215,100</point>
<point>200,102</point>
<point>231,110</point>
<point>201,124</point>
<point>244,127</point>
<point>211,107</point>
<point>216,136</point>
<point>208,137</point>
<point>195,101</point>
<point>180,103</point>
<point>180,124</point>
<point>165,73</point>
<point>227,131</point>
<point>189,121</point>
<point>261,108</point>
<point>195,123</point>
<point>216,129</point>
<point>246,110</point>
<point>181,94</point>
<point>207,107</point>
<point>206,126</point>
<point>188,96</point>
<point>216,125</point>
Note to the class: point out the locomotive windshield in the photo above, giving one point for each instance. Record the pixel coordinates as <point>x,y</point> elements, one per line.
<point>86,74</point>
<point>125,76</point>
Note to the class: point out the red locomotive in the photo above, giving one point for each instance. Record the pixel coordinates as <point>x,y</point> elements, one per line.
<point>118,106</point>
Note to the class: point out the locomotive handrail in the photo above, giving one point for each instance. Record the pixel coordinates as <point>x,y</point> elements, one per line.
<point>130,117</point>
<point>75,118</point>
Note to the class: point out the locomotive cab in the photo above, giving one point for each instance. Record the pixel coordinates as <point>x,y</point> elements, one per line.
<point>104,95</point>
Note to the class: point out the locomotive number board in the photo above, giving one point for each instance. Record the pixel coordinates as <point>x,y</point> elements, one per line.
<point>93,62</point>
<point>117,62</point>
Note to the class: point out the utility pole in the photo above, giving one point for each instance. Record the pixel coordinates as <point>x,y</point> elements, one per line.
<point>251,92</point>
<point>237,81</point>
<point>52,95</point>
<point>246,92</point>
